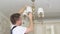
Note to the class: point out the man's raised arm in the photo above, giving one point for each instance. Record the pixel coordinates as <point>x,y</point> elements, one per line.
<point>22,10</point>
<point>30,27</point>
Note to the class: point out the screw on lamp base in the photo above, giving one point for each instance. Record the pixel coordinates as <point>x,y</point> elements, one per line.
<point>33,0</point>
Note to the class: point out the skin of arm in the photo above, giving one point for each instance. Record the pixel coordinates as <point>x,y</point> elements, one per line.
<point>22,10</point>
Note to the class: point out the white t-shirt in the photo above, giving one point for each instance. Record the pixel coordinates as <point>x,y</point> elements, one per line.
<point>19,30</point>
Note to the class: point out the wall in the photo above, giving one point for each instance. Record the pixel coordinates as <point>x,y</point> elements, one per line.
<point>4,24</point>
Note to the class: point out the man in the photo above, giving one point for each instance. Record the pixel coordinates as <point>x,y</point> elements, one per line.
<point>17,22</point>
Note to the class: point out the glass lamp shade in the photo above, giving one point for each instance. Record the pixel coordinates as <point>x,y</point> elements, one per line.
<point>27,11</point>
<point>40,12</point>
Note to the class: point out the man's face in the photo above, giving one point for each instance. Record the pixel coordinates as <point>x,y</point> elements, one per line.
<point>19,21</point>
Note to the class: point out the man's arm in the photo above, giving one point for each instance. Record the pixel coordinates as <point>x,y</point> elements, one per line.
<point>22,10</point>
<point>30,27</point>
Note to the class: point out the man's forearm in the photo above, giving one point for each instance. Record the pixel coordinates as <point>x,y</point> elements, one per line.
<point>31,24</point>
<point>30,27</point>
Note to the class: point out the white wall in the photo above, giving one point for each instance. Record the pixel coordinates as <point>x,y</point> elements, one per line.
<point>4,24</point>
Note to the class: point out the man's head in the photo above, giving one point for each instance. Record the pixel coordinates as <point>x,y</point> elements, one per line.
<point>15,19</point>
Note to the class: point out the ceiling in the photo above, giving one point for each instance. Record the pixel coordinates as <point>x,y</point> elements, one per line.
<point>51,7</point>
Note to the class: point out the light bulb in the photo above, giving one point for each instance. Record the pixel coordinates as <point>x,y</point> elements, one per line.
<point>29,9</point>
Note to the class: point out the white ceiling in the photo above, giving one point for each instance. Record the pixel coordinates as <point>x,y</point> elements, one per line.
<point>51,7</point>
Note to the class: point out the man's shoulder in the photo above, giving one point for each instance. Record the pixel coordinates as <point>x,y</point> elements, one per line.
<point>20,27</point>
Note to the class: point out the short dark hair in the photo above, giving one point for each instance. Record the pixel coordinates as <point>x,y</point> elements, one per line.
<point>14,17</point>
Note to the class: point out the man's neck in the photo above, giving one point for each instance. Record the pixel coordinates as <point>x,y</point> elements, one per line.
<point>17,24</point>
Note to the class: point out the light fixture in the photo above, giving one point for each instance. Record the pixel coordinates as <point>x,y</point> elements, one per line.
<point>27,10</point>
<point>39,13</point>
